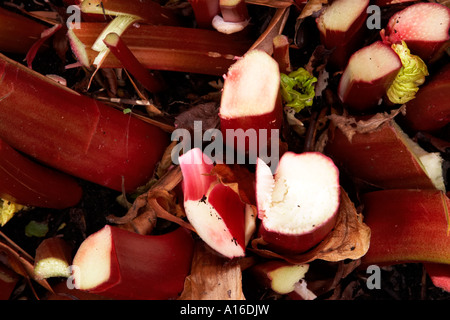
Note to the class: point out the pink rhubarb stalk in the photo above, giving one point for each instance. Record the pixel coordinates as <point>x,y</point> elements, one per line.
<point>423,26</point>
<point>119,264</point>
<point>73,133</point>
<point>407,225</point>
<point>214,209</point>
<point>26,182</point>
<point>367,76</point>
<point>251,101</point>
<point>298,205</point>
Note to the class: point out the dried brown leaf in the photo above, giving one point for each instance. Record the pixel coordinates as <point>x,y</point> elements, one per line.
<point>239,175</point>
<point>311,7</point>
<point>350,125</point>
<point>349,239</point>
<point>212,277</point>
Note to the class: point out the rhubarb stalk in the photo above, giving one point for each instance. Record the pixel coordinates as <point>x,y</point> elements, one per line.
<point>17,32</point>
<point>121,51</point>
<point>125,265</point>
<point>251,102</point>
<point>26,182</point>
<point>341,26</point>
<point>75,134</point>
<point>205,11</point>
<point>407,226</point>
<point>378,152</point>
<point>430,110</point>
<point>214,209</point>
<point>197,51</point>
<point>53,258</point>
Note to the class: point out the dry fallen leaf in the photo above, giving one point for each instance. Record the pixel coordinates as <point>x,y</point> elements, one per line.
<point>212,277</point>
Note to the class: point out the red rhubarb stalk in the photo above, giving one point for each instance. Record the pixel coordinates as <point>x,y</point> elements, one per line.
<point>74,133</point>
<point>215,210</point>
<point>204,12</point>
<point>407,225</point>
<point>26,182</point>
<point>298,205</point>
<point>124,265</point>
<point>121,51</point>
<point>423,26</point>
<point>197,51</point>
<point>383,155</point>
<point>251,102</point>
<point>281,53</point>
<point>17,32</point>
<point>341,26</point>
<point>430,110</point>
<point>367,76</point>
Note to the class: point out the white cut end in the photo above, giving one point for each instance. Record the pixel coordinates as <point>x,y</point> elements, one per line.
<point>305,195</point>
<point>211,228</point>
<point>285,278</point>
<point>251,86</point>
<point>341,14</point>
<point>421,21</point>
<point>52,267</point>
<point>369,64</point>
<point>264,187</point>
<point>92,263</point>
<point>228,27</point>
<point>431,162</point>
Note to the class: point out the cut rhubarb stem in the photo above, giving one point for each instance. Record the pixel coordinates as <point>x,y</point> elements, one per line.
<point>423,26</point>
<point>75,134</point>
<point>124,265</point>
<point>28,183</point>
<point>430,110</point>
<point>367,76</point>
<point>341,26</point>
<point>407,226</point>
<point>147,10</point>
<point>53,258</point>
<point>251,102</point>
<point>383,156</point>
<point>234,10</point>
<point>281,53</point>
<point>118,47</point>
<point>205,11</point>
<point>298,206</point>
<point>279,276</point>
<point>17,32</point>
<point>215,210</point>
<point>197,51</point>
